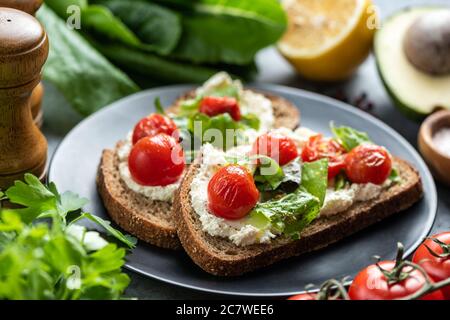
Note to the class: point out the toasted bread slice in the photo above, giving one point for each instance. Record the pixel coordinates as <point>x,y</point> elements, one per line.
<point>153,221</point>
<point>221,257</point>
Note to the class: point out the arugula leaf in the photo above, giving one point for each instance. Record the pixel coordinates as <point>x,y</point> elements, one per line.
<point>288,215</point>
<point>348,137</point>
<point>315,178</point>
<point>126,239</point>
<point>73,66</point>
<point>157,28</point>
<point>229,31</point>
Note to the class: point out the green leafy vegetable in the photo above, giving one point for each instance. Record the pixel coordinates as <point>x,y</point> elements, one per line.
<point>269,175</point>
<point>340,182</point>
<point>229,31</point>
<point>61,6</point>
<point>288,215</point>
<point>251,120</point>
<point>101,21</point>
<point>57,261</point>
<point>158,28</point>
<point>315,178</point>
<point>395,176</point>
<point>87,79</point>
<point>348,137</point>
<point>158,106</point>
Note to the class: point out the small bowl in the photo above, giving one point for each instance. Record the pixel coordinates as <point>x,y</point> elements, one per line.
<point>438,161</point>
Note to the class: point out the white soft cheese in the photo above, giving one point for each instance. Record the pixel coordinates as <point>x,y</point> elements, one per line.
<point>156,193</point>
<point>250,102</point>
<point>238,231</point>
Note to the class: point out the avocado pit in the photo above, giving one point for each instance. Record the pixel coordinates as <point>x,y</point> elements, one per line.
<point>427,42</point>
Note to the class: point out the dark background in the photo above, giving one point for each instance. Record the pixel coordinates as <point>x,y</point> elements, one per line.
<point>59,119</point>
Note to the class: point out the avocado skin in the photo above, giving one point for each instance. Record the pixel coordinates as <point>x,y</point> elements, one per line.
<point>408,111</point>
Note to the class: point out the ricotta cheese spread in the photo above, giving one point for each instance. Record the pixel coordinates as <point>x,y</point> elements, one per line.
<point>156,193</point>
<point>250,102</point>
<point>238,231</point>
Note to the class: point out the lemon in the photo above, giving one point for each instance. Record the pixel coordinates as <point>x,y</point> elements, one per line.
<point>327,40</point>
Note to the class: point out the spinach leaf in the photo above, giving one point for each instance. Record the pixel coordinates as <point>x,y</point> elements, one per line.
<point>100,20</point>
<point>87,79</point>
<point>60,7</point>
<point>315,178</point>
<point>348,137</point>
<point>158,28</point>
<point>229,31</point>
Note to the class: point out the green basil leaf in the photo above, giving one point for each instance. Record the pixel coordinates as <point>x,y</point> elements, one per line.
<point>348,137</point>
<point>315,178</point>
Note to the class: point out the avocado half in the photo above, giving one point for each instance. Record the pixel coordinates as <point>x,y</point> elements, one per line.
<point>414,92</point>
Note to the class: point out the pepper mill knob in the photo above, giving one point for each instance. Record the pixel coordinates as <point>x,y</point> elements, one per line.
<point>23,52</point>
<point>30,7</point>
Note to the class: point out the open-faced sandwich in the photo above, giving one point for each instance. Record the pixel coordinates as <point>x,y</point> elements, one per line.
<point>139,178</point>
<point>287,193</point>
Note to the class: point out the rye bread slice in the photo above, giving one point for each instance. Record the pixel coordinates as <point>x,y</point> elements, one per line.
<point>153,221</point>
<point>221,257</point>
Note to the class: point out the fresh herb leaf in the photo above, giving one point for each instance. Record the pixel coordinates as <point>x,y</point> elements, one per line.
<point>250,120</point>
<point>61,7</point>
<point>315,178</point>
<point>340,182</point>
<point>395,176</point>
<point>190,107</point>
<point>87,80</point>
<point>348,137</point>
<point>269,175</point>
<point>223,90</point>
<point>158,106</point>
<point>126,239</point>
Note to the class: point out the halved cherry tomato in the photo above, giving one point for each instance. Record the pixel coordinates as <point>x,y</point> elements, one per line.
<point>232,192</point>
<point>212,106</point>
<point>304,296</point>
<point>152,125</point>
<point>438,268</point>
<point>368,163</point>
<point>156,160</point>
<point>318,148</point>
<point>276,146</point>
<point>371,284</point>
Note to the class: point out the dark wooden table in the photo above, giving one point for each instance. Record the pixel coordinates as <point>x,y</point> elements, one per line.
<point>59,119</point>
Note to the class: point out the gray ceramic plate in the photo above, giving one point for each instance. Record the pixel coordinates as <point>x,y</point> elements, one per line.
<point>75,163</point>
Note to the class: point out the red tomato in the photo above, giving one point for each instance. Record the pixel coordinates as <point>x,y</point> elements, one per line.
<point>276,146</point>
<point>368,163</point>
<point>437,268</point>
<point>371,284</point>
<point>152,125</point>
<point>213,106</point>
<point>156,161</point>
<point>304,296</point>
<point>232,192</point>
<point>319,148</point>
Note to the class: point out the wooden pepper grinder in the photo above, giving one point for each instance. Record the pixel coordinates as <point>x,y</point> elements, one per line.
<point>23,51</point>
<point>30,7</point>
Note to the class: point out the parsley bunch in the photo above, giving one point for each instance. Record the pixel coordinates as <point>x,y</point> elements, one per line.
<point>57,260</point>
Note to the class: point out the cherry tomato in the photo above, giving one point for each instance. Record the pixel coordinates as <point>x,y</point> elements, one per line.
<point>437,268</point>
<point>232,192</point>
<point>368,163</point>
<point>304,296</point>
<point>319,148</point>
<point>372,284</point>
<point>152,125</point>
<point>213,106</point>
<point>156,161</point>
<point>276,146</point>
